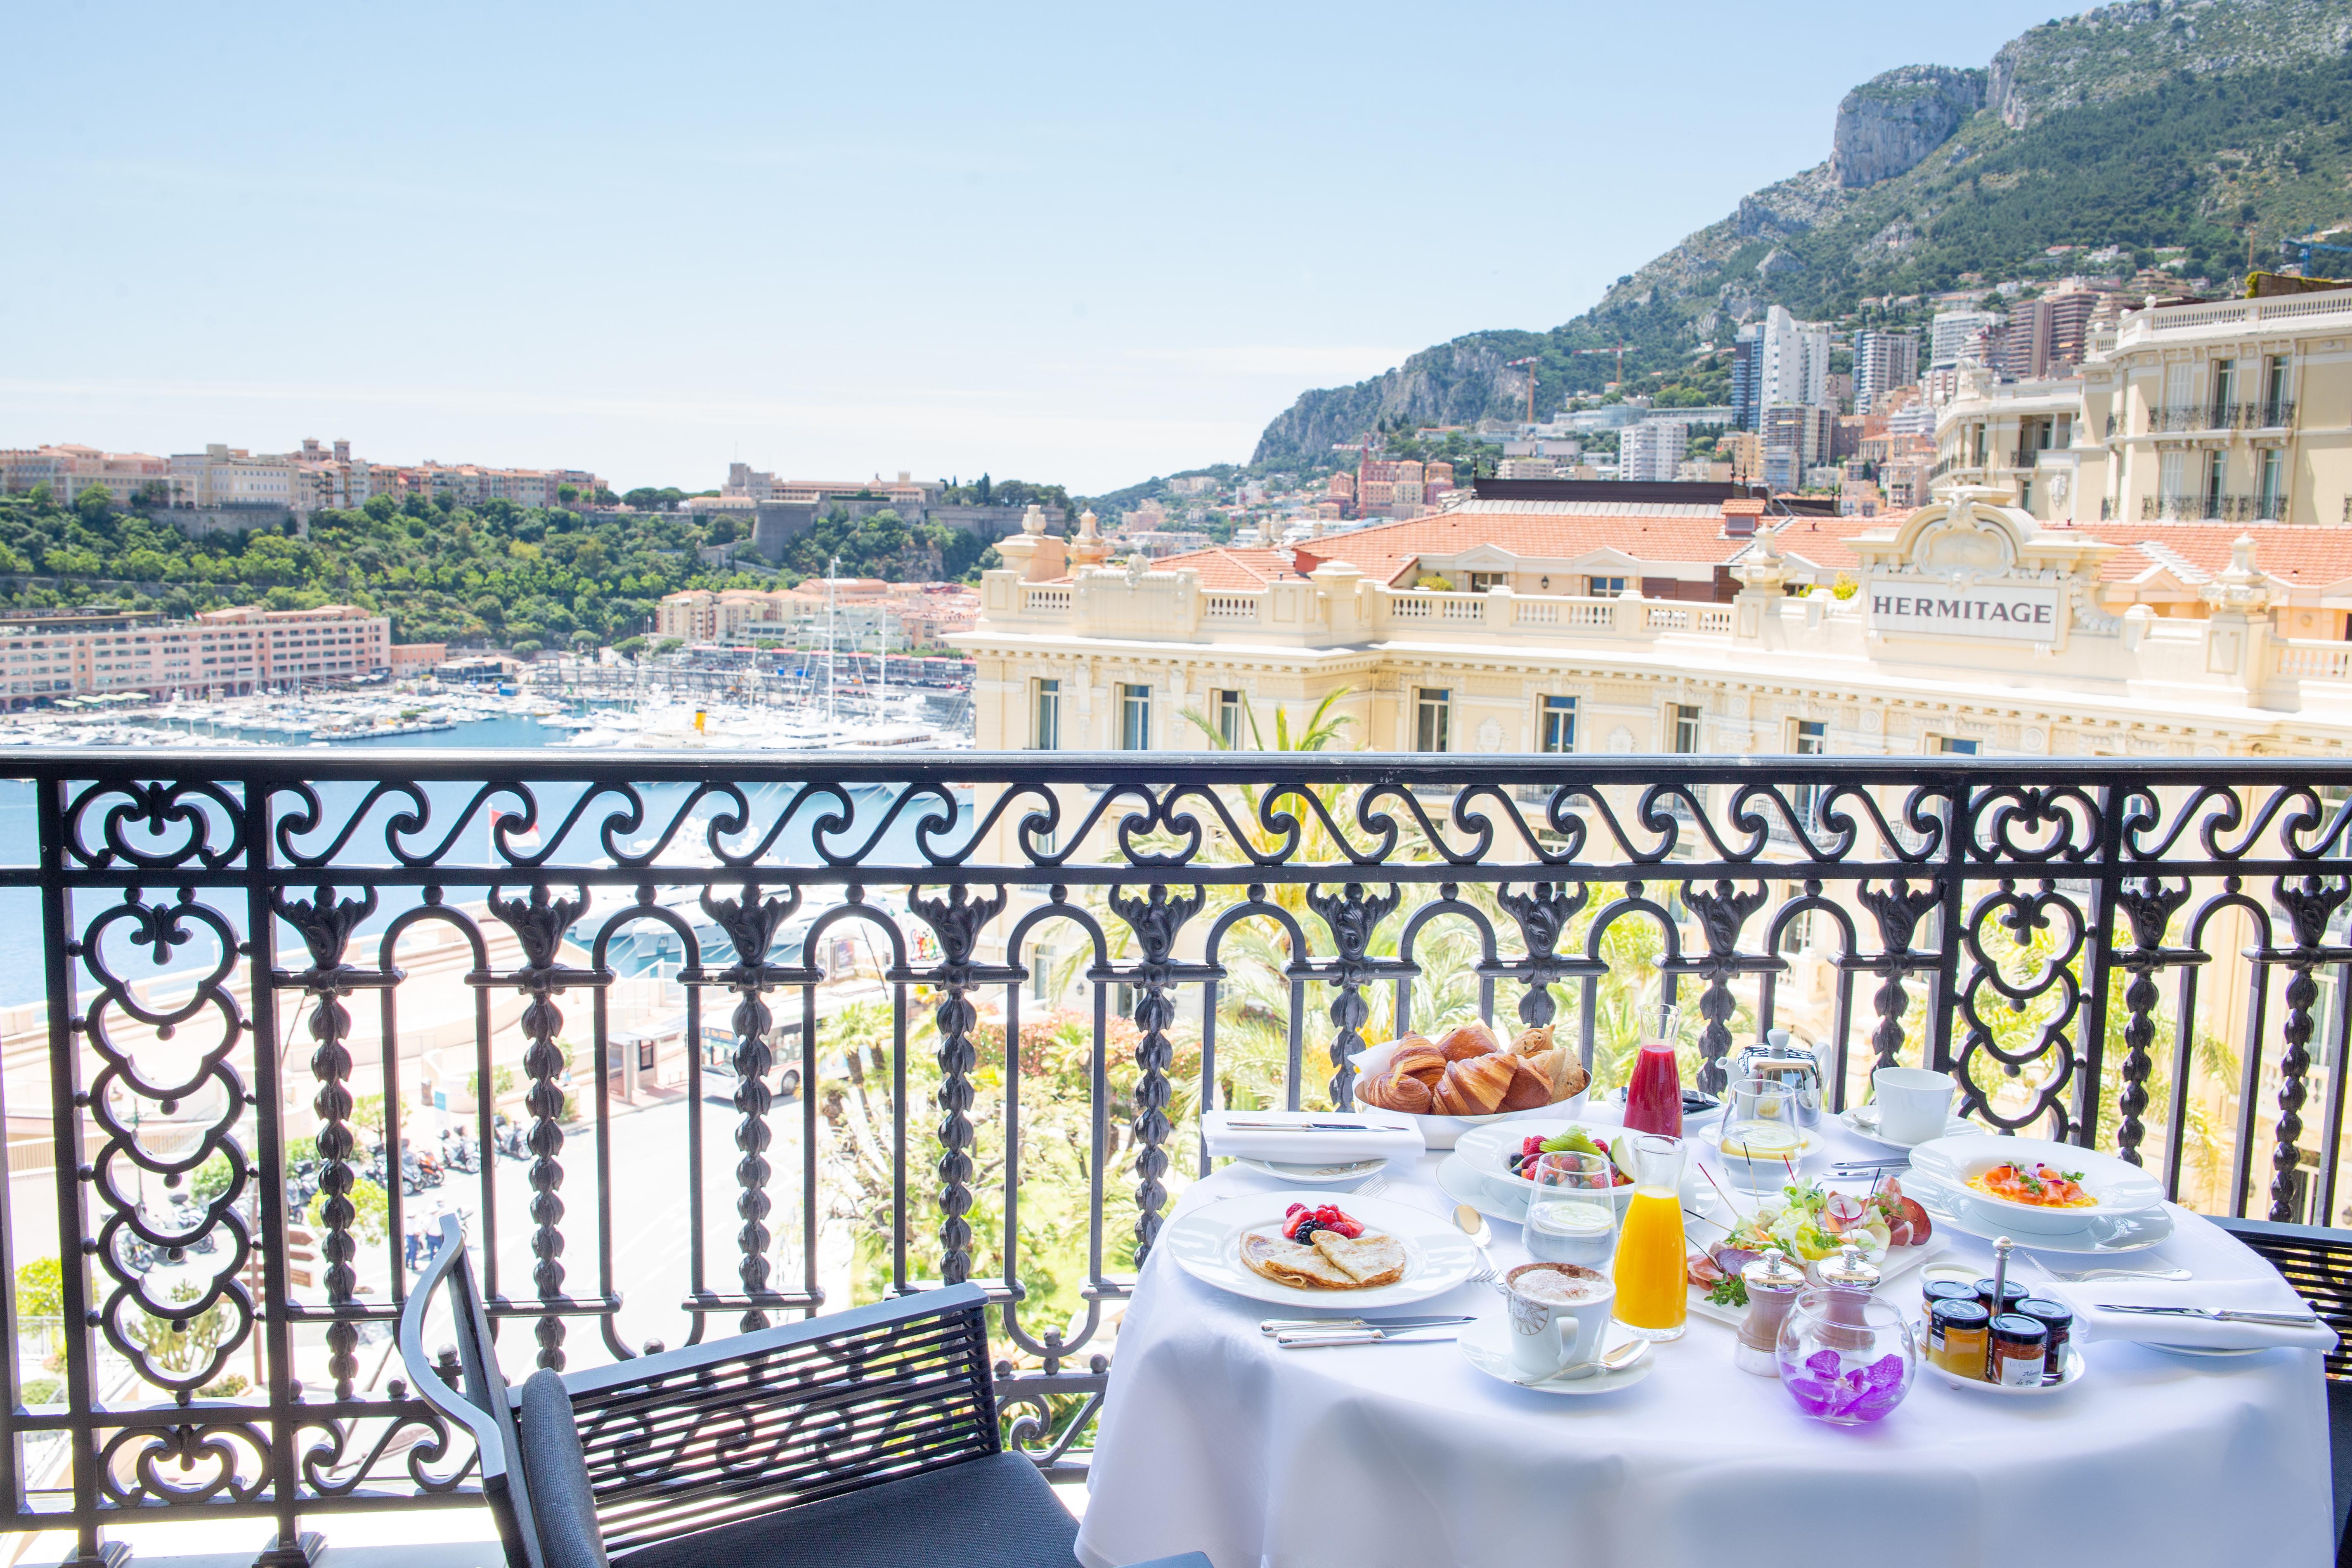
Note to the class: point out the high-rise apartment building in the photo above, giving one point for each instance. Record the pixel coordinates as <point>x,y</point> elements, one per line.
<point>1653,449</point>
<point>1747,376</point>
<point>2046,337</point>
<point>1795,360</point>
<point>1882,362</point>
<point>1953,338</point>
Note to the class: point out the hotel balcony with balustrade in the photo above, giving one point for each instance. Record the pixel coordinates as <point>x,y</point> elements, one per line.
<point>1075,953</point>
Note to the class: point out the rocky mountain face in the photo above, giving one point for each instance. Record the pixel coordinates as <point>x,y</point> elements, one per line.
<point>1894,119</point>
<point>2154,122</point>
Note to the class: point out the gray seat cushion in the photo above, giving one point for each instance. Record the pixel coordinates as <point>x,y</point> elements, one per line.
<point>556,1475</point>
<point>995,1511</point>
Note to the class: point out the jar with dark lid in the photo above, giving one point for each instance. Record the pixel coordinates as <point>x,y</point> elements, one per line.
<point>2021,1348</point>
<point>1960,1337</point>
<point>1937,1290</point>
<point>2058,1320</point>
<point>2011,1293</point>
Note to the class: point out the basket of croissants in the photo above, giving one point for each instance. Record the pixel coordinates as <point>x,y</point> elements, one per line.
<point>1467,1078</point>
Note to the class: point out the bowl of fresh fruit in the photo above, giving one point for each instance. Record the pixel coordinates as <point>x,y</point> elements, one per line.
<point>1504,1155</point>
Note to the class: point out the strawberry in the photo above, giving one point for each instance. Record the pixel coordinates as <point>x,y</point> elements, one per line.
<point>1293,1209</point>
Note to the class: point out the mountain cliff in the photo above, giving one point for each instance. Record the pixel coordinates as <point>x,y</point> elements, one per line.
<point>2207,125</point>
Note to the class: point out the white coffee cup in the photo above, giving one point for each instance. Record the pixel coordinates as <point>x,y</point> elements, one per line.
<point>1914,1104</point>
<point>1549,1336</point>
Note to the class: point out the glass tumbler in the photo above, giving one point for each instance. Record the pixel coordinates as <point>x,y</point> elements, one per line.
<point>1573,1214</point>
<point>1761,1139</point>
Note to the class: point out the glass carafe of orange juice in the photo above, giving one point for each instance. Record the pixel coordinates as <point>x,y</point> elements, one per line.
<point>1651,1293</point>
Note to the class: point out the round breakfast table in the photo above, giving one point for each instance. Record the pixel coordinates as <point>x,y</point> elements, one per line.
<point>1403,1456</point>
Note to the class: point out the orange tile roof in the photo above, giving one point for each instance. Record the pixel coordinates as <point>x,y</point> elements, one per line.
<point>1547,531</point>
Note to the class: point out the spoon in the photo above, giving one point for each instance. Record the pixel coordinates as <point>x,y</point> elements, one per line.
<point>1618,1360</point>
<point>1474,1226</point>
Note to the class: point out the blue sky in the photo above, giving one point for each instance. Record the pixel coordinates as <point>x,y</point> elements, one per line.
<point>1082,244</point>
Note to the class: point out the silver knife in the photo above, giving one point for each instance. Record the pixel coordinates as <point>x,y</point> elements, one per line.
<point>1272,1326</point>
<point>1306,1127</point>
<point>1300,1342</point>
<point>2214,1314</point>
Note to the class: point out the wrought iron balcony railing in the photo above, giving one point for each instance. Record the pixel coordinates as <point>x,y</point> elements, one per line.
<point>941,1017</point>
<point>2176,417</point>
<point>2215,508</point>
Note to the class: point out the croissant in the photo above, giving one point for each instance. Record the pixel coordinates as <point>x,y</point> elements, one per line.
<point>1474,1086</point>
<point>1530,1087</point>
<point>1394,1092</point>
<point>1570,1077</point>
<point>1468,1040</point>
<point>1532,1042</point>
<point>1420,1061</point>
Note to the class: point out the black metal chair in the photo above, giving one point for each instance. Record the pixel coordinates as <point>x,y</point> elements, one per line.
<point>2318,1264</point>
<point>864,1439</point>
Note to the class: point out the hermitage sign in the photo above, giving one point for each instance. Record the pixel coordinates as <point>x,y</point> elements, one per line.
<point>2015,612</point>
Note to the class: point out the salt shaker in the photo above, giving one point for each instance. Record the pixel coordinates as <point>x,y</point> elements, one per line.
<point>1773,1287</point>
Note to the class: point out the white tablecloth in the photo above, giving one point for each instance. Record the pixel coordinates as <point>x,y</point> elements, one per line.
<point>1403,1457</point>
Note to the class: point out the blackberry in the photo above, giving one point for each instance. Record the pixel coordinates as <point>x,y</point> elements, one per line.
<point>1306,1233</point>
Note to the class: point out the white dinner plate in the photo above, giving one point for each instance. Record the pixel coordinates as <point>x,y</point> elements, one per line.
<point>1458,1179</point>
<point>2121,1187</point>
<point>1317,1175</point>
<point>1483,1346</point>
<point>2098,1232</point>
<point>1862,1121</point>
<point>1206,1244</point>
<point>2071,1369</point>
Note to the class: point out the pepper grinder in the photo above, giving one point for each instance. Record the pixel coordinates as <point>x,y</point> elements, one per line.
<point>1772,1286</point>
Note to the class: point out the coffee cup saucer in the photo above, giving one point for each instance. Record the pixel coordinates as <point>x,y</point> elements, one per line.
<point>1483,1345</point>
<point>1862,1120</point>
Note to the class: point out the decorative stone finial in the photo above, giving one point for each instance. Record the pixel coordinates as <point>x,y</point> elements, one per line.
<point>2241,585</point>
<point>1034,519</point>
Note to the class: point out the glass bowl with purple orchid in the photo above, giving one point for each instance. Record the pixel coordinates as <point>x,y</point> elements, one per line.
<point>1846,1358</point>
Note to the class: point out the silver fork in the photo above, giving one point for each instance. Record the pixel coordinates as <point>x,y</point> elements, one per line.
<point>1474,1224</point>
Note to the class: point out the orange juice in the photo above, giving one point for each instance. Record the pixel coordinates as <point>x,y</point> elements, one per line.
<point>1651,1294</point>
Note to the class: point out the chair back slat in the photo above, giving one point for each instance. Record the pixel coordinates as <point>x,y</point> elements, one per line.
<point>2318,1263</point>
<point>484,1406</point>
<point>796,1415</point>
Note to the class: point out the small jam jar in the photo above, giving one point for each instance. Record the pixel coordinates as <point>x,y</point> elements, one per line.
<point>1935,1291</point>
<point>2011,1293</point>
<point>1959,1336</point>
<point>2021,1348</point>
<point>1772,1285</point>
<point>2058,1320</point>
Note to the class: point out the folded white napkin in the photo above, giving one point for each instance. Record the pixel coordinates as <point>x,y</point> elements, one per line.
<point>1311,1136</point>
<point>2268,1294</point>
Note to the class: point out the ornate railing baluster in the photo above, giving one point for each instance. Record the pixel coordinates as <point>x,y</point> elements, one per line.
<point>751,924</point>
<point>2308,903</point>
<point>2149,905</point>
<point>539,923</point>
<point>1155,920</point>
<point>1897,909</point>
<point>1722,911</point>
<point>1352,918</point>
<point>957,919</point>
<point>325,923</point>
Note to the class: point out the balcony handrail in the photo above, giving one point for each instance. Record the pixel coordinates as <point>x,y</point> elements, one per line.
<point>2174,888</point>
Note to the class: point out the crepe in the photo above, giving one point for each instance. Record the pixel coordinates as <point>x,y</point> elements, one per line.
<point>1289,1263</point>
<point>1370,1259</point>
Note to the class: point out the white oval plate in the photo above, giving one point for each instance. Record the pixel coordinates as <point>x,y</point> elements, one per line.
<point>1206,1244</point>
<point>1458,1179</point>
<point>1862,1121</point>
<point>1481,1344</point>
<point>2098,1232</point>
<point>2121,1187</point>
<point>2071,1369</point>
<point>1318,1176</point>
<point>1490,1148</point>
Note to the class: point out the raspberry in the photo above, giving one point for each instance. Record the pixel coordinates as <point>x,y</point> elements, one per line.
<point>1293,1209</point>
